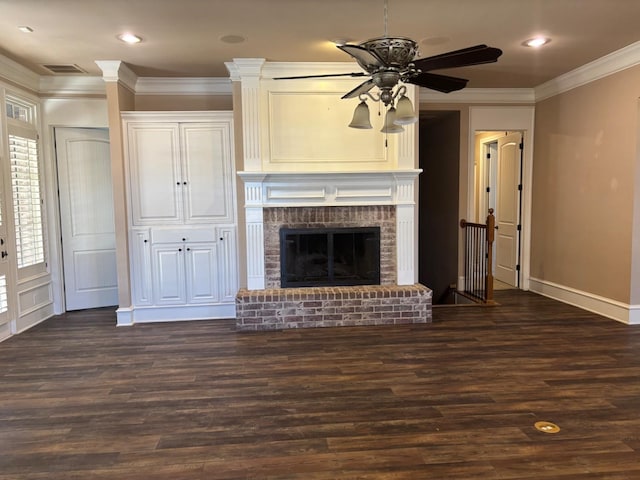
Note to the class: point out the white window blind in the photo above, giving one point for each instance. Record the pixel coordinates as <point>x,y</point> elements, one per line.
<point>27,204</point>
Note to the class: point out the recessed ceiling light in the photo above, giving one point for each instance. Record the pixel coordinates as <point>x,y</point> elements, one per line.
<point>536,42</point>
<point>25,29</point>
<point>129,38</point>
<point>232,39</point>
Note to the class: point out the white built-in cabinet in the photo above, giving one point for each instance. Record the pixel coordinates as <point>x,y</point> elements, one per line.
<point>182,220</point>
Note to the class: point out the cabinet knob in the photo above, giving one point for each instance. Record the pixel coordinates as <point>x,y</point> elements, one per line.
<point>4,254</point>
<point>179,249</point>
<point>188,249</point>
<point>184,183</point>
<point>184,239</point>
<point>145,240</point>
<point>177,183</point>
<point>221,238</point>
<point>1,241</point>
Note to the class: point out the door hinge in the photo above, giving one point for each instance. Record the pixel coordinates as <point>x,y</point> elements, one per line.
<point>521,145</point>
<point>519,227</point>
<point>488,155</point>
<point>488,189</point>
<point>517,268</point>
<point>520,187</point>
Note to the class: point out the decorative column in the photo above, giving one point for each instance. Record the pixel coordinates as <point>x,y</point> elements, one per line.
<point>254,220</point>
<point>249,71</point>
<point>405,228</point>
<point>120,84</point>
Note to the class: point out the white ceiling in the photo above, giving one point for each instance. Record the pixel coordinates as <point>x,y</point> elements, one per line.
<point>181,38</point>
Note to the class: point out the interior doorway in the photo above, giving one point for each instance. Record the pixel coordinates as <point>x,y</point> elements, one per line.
<point>498,187</point>
<point>438,204</point>
<point>86,217</point>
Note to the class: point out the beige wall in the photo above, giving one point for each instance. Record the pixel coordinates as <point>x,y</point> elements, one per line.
<point>585,159</point>
<point>183,102</point>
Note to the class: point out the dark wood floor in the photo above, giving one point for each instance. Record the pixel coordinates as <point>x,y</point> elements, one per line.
<point>457,399</point>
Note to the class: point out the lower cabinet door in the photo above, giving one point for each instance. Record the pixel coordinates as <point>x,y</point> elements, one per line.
<point>202,277</point>
<point>169,286</point>
<point>141,267</point>
<point>228,264</point>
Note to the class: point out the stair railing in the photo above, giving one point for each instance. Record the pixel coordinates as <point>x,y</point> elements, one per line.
<point>478,258</point>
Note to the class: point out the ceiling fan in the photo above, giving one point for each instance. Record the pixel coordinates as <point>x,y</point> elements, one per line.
<point>390,61</point>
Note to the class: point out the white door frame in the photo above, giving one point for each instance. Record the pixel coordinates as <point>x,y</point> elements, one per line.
<point>504,119</point>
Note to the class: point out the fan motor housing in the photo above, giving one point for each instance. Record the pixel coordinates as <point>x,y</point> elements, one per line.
<point>392,51</point>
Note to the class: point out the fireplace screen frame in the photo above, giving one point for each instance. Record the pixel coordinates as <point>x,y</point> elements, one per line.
<point>330,280</point>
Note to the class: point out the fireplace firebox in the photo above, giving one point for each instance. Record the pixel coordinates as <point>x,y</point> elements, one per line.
<point>317,257</point>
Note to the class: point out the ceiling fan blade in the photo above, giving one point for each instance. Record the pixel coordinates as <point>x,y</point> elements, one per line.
<point>360,89</point>
<point>354,74</point>
<point>475,55</point>
<point>441,83</point>
<point>364,57</point>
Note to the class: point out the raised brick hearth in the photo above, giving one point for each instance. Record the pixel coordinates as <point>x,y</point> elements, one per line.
<point>281,308</point>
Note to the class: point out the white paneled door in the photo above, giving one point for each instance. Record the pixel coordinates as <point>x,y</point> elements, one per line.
<point>86,217</point>
<point>507,210</point>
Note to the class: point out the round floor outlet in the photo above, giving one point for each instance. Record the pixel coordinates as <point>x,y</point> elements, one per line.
<point>547,427</point>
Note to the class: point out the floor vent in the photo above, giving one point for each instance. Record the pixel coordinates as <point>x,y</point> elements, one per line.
<point>64,68</point>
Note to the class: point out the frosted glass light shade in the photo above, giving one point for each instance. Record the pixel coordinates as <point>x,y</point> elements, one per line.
<point>361,116</point>
<point>405,114</point>
<point>389,122</point>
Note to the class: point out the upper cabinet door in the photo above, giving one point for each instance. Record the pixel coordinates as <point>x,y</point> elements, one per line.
<point>207,171</point>
<point>155,174</point>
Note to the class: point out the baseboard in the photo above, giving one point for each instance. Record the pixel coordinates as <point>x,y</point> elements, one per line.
<point>133,315</point>
<point>124,317</point>
<point>622,312</point>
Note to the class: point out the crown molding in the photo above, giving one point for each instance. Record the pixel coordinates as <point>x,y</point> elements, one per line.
<point>183,86</point>
<point>18,74</point>
<point>479,95</point>
<point>71,85</point>
<point>617,61</point>
<point>117,71</point>
<point>244,67</point>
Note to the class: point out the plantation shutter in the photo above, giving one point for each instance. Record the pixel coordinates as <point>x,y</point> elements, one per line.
<point>27,201</point>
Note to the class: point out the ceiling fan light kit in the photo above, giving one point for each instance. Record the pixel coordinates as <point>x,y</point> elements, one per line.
<point>390,124</point>
<point>390,63</point>
<point>361,117</point>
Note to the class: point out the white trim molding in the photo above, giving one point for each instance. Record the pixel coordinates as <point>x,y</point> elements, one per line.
<point>117,71</point>
<point>16,73</point>
<point>622,312</point>
<point>617,61</point>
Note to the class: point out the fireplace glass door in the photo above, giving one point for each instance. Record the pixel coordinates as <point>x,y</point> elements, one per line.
<point>311,257</point>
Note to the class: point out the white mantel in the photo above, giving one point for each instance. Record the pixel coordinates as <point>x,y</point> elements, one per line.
<point>330,189</point>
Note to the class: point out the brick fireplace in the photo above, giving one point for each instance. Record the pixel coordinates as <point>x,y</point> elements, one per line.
<point>320,200</point>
